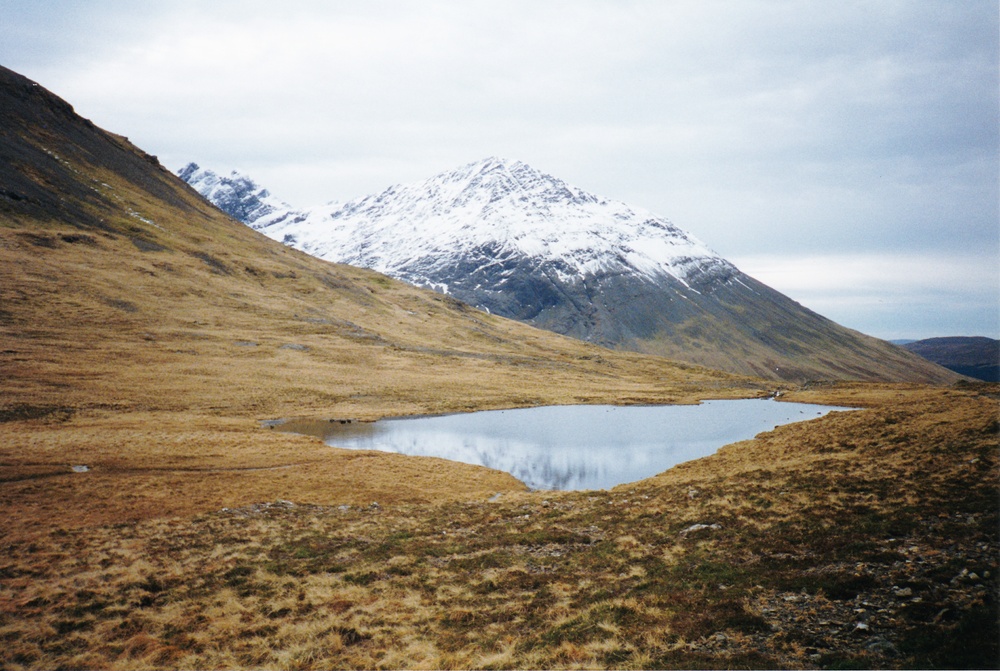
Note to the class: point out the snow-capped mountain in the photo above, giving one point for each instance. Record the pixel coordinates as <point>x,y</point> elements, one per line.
<point>492,209</point>
<point>488,214</point>
<point>243,199</point>
<point>236,195</point>
<point>511,240</point>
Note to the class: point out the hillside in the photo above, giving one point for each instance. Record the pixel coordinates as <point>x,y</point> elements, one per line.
<point>149,519</point>
<point>514,241</point>
<point>110,260</point>
<point>975,357</point>
<point>127,300</point>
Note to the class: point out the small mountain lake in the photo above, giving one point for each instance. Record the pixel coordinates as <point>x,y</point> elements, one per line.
<point>570,447</point>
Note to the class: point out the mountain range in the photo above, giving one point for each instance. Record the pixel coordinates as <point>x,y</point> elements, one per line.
<point>514,241</point>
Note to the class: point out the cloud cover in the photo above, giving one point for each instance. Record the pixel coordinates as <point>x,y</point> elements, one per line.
<point>859,136</point>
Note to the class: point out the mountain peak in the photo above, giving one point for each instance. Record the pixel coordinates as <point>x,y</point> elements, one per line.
<point>507,207</point>
<point>237,195</point>
<point>514,241</point>
<point>497,204</point>
<point>490,164</point>
<point>188,171</point>
<point>505,176</point>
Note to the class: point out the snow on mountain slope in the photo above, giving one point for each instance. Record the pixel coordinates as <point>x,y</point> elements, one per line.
<point>507,208</point>
<point>238,196</point>
<point>514,241</point>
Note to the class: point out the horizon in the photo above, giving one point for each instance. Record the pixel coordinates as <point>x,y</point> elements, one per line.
<point>847,157</point>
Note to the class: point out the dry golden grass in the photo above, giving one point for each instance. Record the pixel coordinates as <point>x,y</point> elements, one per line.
<point>154,366</point>
<point>145,336</point>
<point>808,529</point>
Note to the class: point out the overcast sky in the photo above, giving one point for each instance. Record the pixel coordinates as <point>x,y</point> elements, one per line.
<point>846,153</point>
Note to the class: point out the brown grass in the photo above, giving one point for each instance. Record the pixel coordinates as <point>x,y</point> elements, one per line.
<point>154,364</point>
<point>809,528</point>
<point>146,337</point>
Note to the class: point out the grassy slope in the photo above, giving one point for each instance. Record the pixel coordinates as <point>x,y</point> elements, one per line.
<point>144,335</point>
<point>782,340</point>
<point>151,333</point>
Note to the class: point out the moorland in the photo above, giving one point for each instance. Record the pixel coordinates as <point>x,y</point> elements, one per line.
<point>151,519</point>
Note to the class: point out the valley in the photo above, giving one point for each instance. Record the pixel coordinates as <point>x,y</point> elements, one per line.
<point>145,335</point>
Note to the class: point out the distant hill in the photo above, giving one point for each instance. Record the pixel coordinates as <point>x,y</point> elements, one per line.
<point>516,242</point>
<point>977,357</point>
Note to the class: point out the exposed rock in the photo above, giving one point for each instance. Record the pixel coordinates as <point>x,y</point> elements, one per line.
<point>698,527</point>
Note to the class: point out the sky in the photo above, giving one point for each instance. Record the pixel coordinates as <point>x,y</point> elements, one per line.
<point>845,153</point>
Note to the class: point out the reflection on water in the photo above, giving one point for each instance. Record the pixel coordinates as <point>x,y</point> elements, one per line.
<point>574,447</point>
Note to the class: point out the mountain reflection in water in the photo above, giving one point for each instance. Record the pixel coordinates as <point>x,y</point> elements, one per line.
<point>574,447</point>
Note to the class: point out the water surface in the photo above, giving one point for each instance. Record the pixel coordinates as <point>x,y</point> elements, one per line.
<point>574,446</point>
